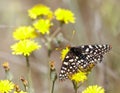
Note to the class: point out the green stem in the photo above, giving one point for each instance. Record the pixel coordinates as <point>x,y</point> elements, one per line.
<point>52,86</point>
<point>75,86</point>
<point>53,78</point>
<point>27,61</point>
<point>9,75</point>
<point>29,76</point>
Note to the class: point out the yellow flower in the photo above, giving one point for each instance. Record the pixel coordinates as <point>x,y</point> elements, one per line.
<point>40,10</point>
<point>6,86</point>
<point>79,76</point>
<point>24,32</point>
<point>43,26</point>
<point>64,52</point>
<point>94,89</point>
<point>20,92</point>
<point>24,47</point>
<point>64,15</point>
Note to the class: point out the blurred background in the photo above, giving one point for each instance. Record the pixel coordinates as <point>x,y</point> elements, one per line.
<point>97,22</point>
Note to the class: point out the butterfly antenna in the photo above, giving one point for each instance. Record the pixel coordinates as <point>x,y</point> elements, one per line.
<point>73,34</point>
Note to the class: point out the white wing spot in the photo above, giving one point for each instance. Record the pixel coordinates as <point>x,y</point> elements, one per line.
<point>104,46</point>
<point>77,57</point>
<point>70,67</point>
<point>87,50</point>
<point>65,63</point>
<point>100,46</point>
<point>71,60</point>
<point>96,46</point>
<point>81,60</point>
<point>67,56</point>
<point>64,68</point>
<point>60,74</point>
<point>90,46</point>
<point>62,71</point>
<point>82,46</point>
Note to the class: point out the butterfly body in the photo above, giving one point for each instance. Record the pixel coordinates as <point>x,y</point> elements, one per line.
<point>82,58</point>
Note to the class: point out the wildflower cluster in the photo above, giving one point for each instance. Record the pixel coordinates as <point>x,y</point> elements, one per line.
<point>42,22</point>
<point>24,45</point>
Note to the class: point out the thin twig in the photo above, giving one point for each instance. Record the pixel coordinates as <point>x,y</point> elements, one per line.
<point>55,32</point>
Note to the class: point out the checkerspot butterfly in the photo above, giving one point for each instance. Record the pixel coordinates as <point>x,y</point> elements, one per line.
<point>82,58</point>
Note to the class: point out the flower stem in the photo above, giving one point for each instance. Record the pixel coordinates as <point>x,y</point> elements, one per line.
<point>27,61</point>
<point>55,32</point>
<point>6,67</point>
<point>53,76</point>
<point>52,86</point>
<point>75,86</point>
<point>30,87</point>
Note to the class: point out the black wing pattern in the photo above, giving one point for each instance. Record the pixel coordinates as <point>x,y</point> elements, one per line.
<point>81,58</point>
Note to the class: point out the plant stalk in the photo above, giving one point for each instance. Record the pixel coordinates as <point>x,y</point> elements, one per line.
<point>75,86</point>
<point>29,76</point>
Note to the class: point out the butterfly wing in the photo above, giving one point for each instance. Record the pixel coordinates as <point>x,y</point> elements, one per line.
<point>93,54</point>
<point>95,49</point>
<point>68,66</point>
<point>82,58</point>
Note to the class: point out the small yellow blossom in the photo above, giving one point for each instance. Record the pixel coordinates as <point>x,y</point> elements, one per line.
<point>24,32</point>
<point>20,92</point>
<point>94,89</point>
<point>24,47</point>
<point>40,10</point>
<point>64,15</point>
<point>6,86</point>
<point>43,26</point>
<point>64,52</point>
<point>79,76</point>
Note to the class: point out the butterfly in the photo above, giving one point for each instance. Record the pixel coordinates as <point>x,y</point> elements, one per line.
<point>82,58</point>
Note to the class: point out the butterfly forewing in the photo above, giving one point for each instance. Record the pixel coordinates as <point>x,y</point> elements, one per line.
<point>80,58</point>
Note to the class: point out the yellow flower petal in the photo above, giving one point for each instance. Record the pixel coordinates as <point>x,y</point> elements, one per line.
<point>79,77</point>
<point>39,10</point>
<point>24,47</point>
<point>65,16</point>
<point>24,32</point>
<point>64,52</point>
<point>6,86</point>
<point>43,26</point>
<point>94,89</point>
